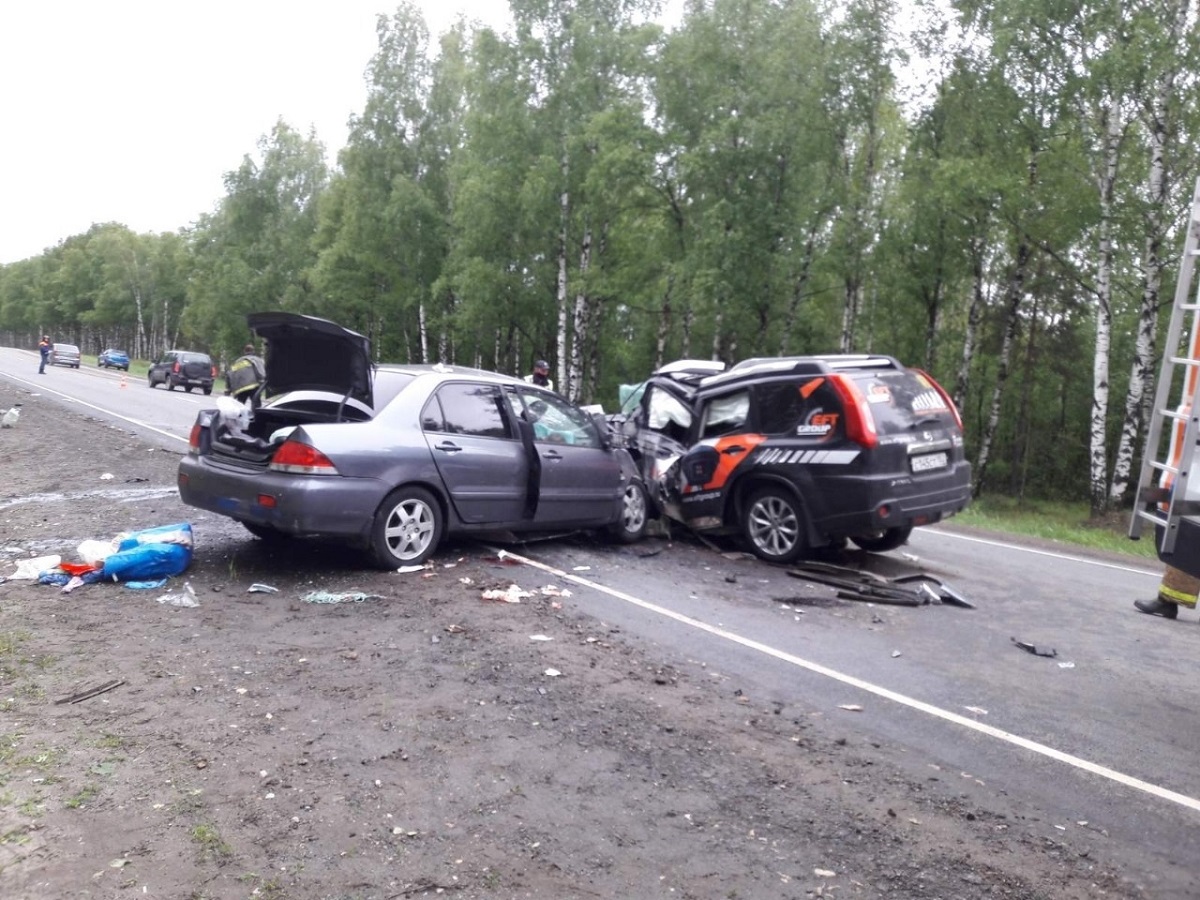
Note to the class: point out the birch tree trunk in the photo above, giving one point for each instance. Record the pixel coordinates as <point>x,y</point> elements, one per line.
<point>423,332</point>
<point>1158,125</point>
<point>1098,441</point>
<point>974,316</point>
<point>579,323</point>
<point>564,213</point>
<point>1016,291</point>
<point>664,323</point>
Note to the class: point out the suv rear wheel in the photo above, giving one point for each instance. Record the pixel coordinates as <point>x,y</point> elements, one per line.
<point>883,540</point>
<point>773,525</point>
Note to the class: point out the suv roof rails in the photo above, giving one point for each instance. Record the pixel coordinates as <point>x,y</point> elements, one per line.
<point>691,367</point>
<point>832,360</point>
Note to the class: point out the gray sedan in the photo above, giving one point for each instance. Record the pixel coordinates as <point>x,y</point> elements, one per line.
<point>394,458</point>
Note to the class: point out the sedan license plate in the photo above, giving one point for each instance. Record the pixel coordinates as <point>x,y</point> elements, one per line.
<point>930,461</point>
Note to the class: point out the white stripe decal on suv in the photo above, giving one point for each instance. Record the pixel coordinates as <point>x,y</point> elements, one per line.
<point>806,457</point>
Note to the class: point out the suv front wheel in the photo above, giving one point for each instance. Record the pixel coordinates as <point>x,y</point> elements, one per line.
<point>773,525</point>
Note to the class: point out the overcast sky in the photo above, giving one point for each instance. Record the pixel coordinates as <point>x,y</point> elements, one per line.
<point>131,111</point>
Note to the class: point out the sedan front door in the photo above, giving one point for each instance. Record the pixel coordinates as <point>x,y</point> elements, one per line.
<point>580,479</point>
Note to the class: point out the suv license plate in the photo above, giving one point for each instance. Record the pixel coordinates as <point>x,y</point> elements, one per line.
<point>929,462</point>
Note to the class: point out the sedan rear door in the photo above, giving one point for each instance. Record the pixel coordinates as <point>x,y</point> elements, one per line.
<point>478,454</point>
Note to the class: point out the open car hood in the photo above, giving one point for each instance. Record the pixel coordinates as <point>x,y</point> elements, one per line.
<point>307,353</point>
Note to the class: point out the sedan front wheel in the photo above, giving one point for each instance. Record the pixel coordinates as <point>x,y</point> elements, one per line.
<point>635,513</point>
<point>407,528</point>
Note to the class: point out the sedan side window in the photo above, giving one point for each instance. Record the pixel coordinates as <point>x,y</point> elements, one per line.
<point>556,421</point>
<point>474,409</point>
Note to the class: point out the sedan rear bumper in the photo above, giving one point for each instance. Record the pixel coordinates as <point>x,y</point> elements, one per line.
<point>327,506</point>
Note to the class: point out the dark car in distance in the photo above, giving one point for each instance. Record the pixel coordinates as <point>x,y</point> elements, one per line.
<point>394,458</point>
<point>185,369</point>
<point>799,453</point>
<point>113,359</point>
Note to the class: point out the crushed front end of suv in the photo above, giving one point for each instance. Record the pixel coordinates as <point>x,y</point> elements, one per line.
<point>394,458</point>
<point>799,453</point>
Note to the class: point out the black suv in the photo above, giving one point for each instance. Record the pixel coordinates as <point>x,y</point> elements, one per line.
<point>183,368</point>
<point>798,453</point>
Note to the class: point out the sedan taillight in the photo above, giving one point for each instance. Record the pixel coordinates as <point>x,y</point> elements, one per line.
<point>301,459</point>
<point>175,368</point>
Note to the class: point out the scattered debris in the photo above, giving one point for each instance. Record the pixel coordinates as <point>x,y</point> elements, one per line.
<point>852,707</point>
<point>896,654</point>
<point>88,693</point>
<point>551,590</point>
<point>10,417</point>
<point>260,588</point>
<point>344,597</point>
<point>582,569</point>
<point>978,710</point>
<point>1066,665</point>
<point>1030,648</point>
<point>510,594</point>
<point>553,673</point>
<point>540,637</point>
<point>31,568</point>
<point>859,584</point>
<point>824,873</point>
<point>407,570</point>
<point>185,599</point>
<point>107,476</point>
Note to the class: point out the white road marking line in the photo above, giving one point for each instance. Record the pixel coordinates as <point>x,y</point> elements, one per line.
<point>43,389</point>
<point>919,705</point>
<point>1066,556</point>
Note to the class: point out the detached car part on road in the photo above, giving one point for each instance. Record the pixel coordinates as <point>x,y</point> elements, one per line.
<point>798,453</point>
<point>394,458</point>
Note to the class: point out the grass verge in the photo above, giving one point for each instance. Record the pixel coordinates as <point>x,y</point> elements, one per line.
<point>1064,523</point>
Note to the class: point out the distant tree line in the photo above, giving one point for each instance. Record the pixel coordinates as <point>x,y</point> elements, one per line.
<point>761,179</point>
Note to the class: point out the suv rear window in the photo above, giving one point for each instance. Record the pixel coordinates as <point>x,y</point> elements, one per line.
<point>201,358</point>
<point>901,400</point>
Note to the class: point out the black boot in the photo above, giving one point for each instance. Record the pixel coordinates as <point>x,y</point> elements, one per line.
<point>1157,607</point>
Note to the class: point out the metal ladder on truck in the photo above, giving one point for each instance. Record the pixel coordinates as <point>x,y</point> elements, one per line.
<point>1168,491</point>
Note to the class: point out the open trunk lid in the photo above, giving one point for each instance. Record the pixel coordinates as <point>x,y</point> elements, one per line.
<point>308,353</point>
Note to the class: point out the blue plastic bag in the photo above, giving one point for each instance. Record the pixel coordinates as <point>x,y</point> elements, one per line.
<point>153,553</point>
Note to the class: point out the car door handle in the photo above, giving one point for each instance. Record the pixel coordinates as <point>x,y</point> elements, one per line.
<point>552,454</point>
<point>734,450</point>
<point>448,446</point>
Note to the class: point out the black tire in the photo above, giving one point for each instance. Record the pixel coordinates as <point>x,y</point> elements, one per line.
<point>635,515</point>
<point>207,391</point>
<point>407,528</point>
<point>170,383</point>
<point>188,387</point>
<point>884,540</point>
<point>266,533</point>
<point>773,525</point>
<point>150,380</point>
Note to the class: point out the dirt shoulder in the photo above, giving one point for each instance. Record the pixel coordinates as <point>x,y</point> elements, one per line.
<point>419,744</point>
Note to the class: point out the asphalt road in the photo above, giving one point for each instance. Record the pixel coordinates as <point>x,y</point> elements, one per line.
<point>1101,736</point>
